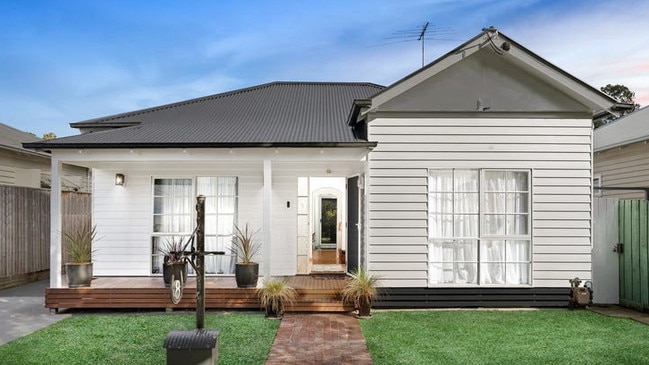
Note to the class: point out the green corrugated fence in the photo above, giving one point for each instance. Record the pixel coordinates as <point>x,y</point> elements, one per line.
<point>634,259</point>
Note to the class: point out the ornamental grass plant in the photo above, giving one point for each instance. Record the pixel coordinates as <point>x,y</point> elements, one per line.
<point>274,295</point>
<point>361,290</point>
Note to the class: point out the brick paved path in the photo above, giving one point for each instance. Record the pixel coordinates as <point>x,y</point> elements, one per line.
<point>323,338</point>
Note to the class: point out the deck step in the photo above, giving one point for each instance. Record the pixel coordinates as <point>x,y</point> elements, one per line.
<point>314,295</point>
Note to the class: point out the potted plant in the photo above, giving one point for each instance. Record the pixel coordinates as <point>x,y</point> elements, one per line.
<point>245,247</point>
<point>361,290</point>
<point>274,295</point>
<point>79,246</point>
<point>173,260</point>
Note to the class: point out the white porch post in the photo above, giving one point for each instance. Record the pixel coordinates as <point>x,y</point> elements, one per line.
<point>267,211</point>
<point>55,224</point>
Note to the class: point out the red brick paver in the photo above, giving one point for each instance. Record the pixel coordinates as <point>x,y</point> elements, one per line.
<point>325,338</point>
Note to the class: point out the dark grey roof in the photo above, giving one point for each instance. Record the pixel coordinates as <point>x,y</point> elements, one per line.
<point>273,114</point>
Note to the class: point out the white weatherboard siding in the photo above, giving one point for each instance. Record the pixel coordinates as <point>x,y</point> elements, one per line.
<point>557,151</point>
<point>123,214</point>
<point>623,166</point>
<point>284,252</point>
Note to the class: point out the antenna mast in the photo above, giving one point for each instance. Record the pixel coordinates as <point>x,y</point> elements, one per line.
<point>422,35</point>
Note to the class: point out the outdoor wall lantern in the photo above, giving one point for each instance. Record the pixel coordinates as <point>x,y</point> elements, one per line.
<point>119,179</point>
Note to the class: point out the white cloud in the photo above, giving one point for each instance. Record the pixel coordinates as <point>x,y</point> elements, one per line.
<point>601,44</point>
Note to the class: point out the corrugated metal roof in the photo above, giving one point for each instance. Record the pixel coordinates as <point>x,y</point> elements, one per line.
<point>629,129</point>
<point>278,113</point>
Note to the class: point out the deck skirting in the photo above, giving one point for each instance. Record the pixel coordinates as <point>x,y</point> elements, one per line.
<point>472,297</point>
<point>315,294</point>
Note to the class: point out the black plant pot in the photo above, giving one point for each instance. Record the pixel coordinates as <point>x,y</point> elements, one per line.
<point>246,274</point>
<point>364,307</point>
<point>279,314</point>
<point>176,269</point>
<point>78,275</point>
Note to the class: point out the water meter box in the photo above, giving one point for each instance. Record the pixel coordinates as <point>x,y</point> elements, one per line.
<point>192,347</point>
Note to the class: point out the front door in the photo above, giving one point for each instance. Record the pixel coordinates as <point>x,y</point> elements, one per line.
<point>352,224</point>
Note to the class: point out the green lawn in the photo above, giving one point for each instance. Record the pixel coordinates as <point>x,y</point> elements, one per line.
<point>497,337</point>
<point>393,337</point>
<point>245,338</point>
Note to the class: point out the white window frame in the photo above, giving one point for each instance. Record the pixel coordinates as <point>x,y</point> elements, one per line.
<point>186,234</point>
<point>482,236</point>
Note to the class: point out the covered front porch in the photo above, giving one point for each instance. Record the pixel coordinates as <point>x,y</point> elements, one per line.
<point>317,293</point>
<point>271,189</point>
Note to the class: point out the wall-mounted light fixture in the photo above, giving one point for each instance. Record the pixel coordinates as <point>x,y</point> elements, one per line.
<point>119,179</point>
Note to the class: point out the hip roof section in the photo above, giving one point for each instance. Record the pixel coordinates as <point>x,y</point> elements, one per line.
<point>274,114</point>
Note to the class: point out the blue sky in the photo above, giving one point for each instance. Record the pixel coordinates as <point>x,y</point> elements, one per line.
<point>68,61</point>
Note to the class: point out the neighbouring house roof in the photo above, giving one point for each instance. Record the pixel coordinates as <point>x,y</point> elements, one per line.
<point>291,114</point>
<point>12,139</point>
<point>631,128</point>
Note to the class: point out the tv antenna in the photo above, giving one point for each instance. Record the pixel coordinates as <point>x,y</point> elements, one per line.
<point>422,36</point>
<point>427,31</point>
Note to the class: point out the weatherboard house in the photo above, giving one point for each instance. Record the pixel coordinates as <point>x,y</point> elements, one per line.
<point>620,157</point>
<point>466,183</point>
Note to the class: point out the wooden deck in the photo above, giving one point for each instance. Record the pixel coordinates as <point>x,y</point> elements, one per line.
<point>317,293</point>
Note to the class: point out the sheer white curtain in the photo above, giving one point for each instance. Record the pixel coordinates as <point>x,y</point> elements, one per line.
<point>463,252</point>
<point>453,222</point>
<point>172,206</point>
<point>172,216</point>
<point>506,207</point>
<point>220,214</point>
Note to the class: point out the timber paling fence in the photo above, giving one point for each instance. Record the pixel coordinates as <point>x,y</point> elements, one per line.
<point>25,230</point>
<point>634,259</point>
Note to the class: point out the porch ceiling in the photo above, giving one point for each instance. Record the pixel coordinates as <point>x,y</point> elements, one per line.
<point>344,158</point>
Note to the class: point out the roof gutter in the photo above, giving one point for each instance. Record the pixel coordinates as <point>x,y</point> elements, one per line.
<point>632,188</point>
<point>621,108</point>
<point>52,146</point>
<point>357,106</point>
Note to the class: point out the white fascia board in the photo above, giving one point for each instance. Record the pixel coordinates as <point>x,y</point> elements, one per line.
<point>89,157</point>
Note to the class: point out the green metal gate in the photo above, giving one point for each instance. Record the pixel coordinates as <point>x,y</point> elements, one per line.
<point>634,253</point>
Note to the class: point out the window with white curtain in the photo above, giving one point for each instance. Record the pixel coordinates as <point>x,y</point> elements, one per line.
<point>174,218</point>
<point>479,227</point>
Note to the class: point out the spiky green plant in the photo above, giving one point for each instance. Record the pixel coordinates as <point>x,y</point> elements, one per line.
<point>80,243</point>
<point>274,294</point>
<point>244,244</point>
<point>361,290</point>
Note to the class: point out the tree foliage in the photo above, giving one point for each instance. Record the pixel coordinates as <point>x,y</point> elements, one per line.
<point>49,135</point>
<point>622,94</point>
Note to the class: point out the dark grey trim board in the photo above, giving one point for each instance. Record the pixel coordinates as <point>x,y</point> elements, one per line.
<point>472,297</point>
<point>50,146</point>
